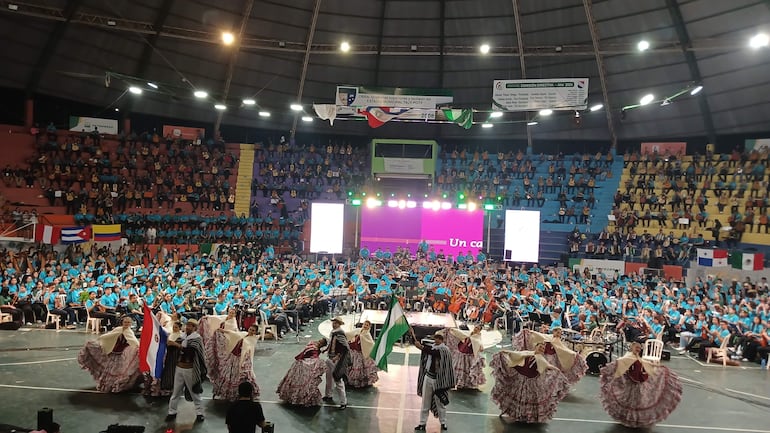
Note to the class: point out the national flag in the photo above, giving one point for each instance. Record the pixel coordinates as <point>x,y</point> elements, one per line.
<point>463,117</point>
<point>75,235</point>
<point>106,232</point>
<point>378,116</point>
<point>46,234</point>
<point>748,261</point>
<point>152,345</point>
<point>393,329</point>
<point>712,258</point>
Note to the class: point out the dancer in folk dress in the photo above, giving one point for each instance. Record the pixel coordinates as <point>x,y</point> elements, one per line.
<point>571,363</point>
<point>113,359</point>
<point>467,358</point>
<point>235,353</point>
<point>363,370</point>
<point>527,387</point>
<point>638,393</point>
<point>299,386</point>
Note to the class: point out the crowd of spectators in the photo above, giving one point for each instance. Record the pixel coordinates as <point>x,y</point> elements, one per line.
<point>291,291</point>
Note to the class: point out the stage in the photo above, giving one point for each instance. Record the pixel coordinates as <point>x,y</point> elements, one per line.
<point>424,324</point>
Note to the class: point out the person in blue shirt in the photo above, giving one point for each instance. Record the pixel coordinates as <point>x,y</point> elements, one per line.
<point>364,253</point>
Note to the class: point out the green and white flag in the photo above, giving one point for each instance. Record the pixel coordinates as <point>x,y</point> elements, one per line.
<point>393,329</point>
<point>747,261</point>
<point>462,117</point>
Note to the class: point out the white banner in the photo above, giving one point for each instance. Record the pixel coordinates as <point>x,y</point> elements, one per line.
<point>610,268</point>
<point>533,95</point>
<point>106,126</point>
<point>358,96</point>
<point>404,165</point>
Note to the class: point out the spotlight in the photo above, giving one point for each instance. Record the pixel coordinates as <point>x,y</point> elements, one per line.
<point>220,107</point>
<point>249,101</point>
<point>307,119</point>
<point>487,125</point>
<point>696,90</point>
<point>135,90</point>
<point>646,99</point>
<point>597,107</point>
<point>546,112</point>
<point>413,48</point>
<point>13,6</point>
<point>392,203</point>
<point>484,49</point>
<point>411,204</point>
<point>117,109</point>
<point>153,85</point>
<point>200,94</point>
<point>345,47</point>
<point>227,38</point>
<point>496,114</point>
<point>758,41</point>
<point>471,206</point>
<point>532,123</point>
<point>296,107</point>
<point>264,114</point>
<point>446,205</point>
<point>373,202</point>
<point>643,45</point>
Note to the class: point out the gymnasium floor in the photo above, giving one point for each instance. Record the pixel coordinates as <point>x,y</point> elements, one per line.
<point>38,368</point>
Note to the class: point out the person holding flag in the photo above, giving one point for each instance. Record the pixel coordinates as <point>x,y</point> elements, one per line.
<point>363,370</point>
<point>156,359</point>
<point>393,329</point>
<point>113,359</point>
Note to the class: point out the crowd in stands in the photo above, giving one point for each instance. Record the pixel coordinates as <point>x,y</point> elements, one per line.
<point>516,179</point>
<point>292,291</point>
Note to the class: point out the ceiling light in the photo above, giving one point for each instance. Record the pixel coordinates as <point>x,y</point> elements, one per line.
<point>665,102</point>
<point>227,38</point>
<point>546,112</point>
<point>696,90</point>
<point>296,107</point>
<point>249,101</point>
<point>135,90</point>
<point>646,99</point>
<point>532,123</point>
<point>111,23</point>
<point>220,107</point>
<point>484,48</point>
<point>345,47</point>
<point>200,94</point>
<point>153,85</point>
<point>13,6</point>
<point>117,109</point>
<point>577,115</point>
<point>597,107</point>
<point>487,125</point>
<point>496,114</point>
<point>758,41</point>
<point>643,45</point>
<point>307,119</point>
<point>264,114</point>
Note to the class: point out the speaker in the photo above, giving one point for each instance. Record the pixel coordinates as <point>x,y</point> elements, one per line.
<point>666,355</point>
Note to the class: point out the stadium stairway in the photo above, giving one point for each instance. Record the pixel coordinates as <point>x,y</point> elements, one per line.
<point>243,183</point>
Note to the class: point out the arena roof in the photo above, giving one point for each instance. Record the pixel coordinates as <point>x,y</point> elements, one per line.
<point>288,50</point>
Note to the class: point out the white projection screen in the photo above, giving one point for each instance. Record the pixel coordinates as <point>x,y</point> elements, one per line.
<point>522,236</point>
<point>326,227</point>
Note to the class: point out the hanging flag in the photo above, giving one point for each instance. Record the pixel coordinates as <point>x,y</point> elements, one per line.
<point>748,261</point>
<point>46,234</point>
<point>75,235</point>
<point>378,116</point>
<point>393,329</point>
<point>462,117</point>
<point>712,258</point>
<point>152,345</point>
<point>326,112</point>
<point>106,232</point>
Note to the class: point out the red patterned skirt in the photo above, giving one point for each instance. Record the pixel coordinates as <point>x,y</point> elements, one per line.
<point>300,385</point>
<point>113,372</point>
<point>639,404</point>
<point>527,399</point>
<point>362,371</point>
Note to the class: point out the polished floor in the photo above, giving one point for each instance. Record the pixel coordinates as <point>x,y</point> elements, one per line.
<point>38,368</point>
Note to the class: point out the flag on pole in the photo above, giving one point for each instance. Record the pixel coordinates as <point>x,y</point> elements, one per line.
<point>46,234</point>
<point>712,258</point>
<point>393,329</point>
<point>152,345</point>
<point>75,235</point>
<point>462,117</point>
<point>748,261</point>
<point>378,116</point>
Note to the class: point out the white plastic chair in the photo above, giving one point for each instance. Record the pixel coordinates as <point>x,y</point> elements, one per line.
<point>653,350</point>
<point>264,326</point>
<point>719,351</point>
<point>93,324</point>
<point>52,318</point>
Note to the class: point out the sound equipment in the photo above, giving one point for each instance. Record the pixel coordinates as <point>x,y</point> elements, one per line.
<point>44,418</point>
<point>665,356</point>
<point>595,361</point>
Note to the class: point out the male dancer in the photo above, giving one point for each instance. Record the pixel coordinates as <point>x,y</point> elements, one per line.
<point>190,371</point>
<point>338,363</point>
<point>435,378</point>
